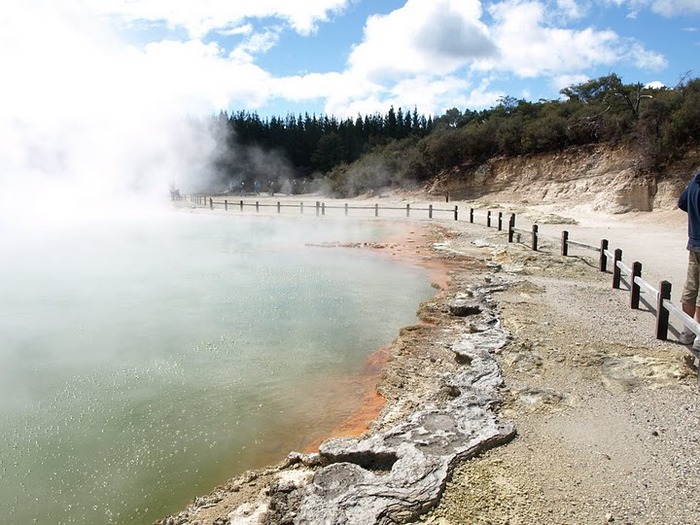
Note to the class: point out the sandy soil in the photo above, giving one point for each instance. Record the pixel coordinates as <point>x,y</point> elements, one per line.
<point>607,416</point>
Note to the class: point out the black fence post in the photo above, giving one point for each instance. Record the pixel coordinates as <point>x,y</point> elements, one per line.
<point>471,215</point>
<point>241,205</point>
<point>346,209</point>
<point>564,243</point>
<point>488,218</point>
<point>617,272</point>
<point>534,236</point>
<point>661,312</point>
<point>376,210</point>
<point>635,290</point>
<point>500,221</point>
<point>323,209</point>
<point>279,207</point>
<point>257,206</point>
<point>456,213</point>
<point>603,256</point>
<point>318,208</point>
<point>225,205</point>
<point>447,196</point>
<point>408,210</point>
<point>211,203</point>
<point>430,211</point>
<point>511,228</point>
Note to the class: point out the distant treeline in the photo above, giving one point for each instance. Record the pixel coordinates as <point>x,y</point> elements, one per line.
<point>367,153</point>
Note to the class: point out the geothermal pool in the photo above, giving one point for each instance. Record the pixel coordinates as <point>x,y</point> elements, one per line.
<point>146,359</point>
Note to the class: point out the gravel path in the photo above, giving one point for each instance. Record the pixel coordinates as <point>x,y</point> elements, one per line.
<point>607,416</point>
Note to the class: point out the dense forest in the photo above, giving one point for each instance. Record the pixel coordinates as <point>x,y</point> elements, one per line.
<point>352,156</point>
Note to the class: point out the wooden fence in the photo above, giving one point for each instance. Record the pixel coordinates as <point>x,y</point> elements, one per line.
<point>319,207</point>
<point>657,300</point>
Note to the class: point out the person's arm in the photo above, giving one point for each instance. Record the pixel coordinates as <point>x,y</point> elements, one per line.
<point>683,200</point>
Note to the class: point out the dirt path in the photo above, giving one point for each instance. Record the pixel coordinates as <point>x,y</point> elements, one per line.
<point>607,416</point>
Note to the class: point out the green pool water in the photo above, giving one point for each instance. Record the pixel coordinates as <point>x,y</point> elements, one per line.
<point>146,359</point>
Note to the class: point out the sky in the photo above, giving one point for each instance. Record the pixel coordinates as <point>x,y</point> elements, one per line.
<point>340,57</point>
<point>93,89</point>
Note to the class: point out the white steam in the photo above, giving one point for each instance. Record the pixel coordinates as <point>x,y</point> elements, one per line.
<point>88,121</point>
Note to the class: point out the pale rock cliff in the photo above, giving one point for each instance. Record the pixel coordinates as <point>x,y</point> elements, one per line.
<point>605,178</point>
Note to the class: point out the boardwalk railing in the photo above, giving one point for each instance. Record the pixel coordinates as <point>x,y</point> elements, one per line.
<point>657,300</point>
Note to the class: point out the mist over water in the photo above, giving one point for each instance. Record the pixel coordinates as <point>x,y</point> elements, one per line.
<point>147,358</point>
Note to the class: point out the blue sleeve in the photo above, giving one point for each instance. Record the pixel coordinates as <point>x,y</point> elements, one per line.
<point>683,200</point>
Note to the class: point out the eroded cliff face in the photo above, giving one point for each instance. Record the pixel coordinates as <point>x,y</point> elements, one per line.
<point>605,178</point>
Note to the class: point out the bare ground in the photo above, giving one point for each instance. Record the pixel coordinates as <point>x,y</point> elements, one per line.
<point>607,416</point>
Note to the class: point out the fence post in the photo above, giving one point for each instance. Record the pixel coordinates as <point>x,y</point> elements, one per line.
<point>225,205</point>
<point>661,312</point>
<point>488,218</point>
<point>211,203</point>
<point>408,210</point>
<point>447,196</point>
<point>603,255</point>
<point>534,236</point>
<point>634,287</point>
<point>323,209</point>
<point>430,211</point>
<point>617,273</point>
<point>257,206</point>
<point>346,209</point>
<point>318,208</point>
<point>511,227</point>
<point>471,215</point>
<point>564,243</point>
<point>376,210</point>
<point>301,208</point>
<point>279,207</point>
<point>500,221</point>
<point>241,205</point>
<point>456,213</point>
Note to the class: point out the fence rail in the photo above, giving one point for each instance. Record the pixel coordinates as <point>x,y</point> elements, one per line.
<point>660,298</point>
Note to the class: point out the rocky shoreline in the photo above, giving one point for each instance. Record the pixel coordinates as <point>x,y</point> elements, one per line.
<point>517,340</point>
<point>441,385</point>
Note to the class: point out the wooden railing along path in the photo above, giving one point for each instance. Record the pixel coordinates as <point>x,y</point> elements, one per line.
<point>659,299</point>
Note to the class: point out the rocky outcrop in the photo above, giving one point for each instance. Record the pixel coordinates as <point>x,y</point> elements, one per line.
<point>399,471</point>
<point>608,178</point>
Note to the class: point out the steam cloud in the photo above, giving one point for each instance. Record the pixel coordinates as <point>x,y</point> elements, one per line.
<point>87,120</point>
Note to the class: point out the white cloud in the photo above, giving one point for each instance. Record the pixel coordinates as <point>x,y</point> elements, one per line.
<point>530,47</point>
<point>645,59</point>
<point>668,8</point>
<point>655,84</point>
<point>202,16</point>
<point>572,9</point>
<point>433,38</point>
<point>315,85</point>
<point>255,44</point>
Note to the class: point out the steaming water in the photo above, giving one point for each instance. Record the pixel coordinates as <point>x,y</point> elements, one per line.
<point>142,362</point>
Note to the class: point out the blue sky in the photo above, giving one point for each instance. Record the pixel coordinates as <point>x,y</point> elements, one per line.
<point>339,56</point>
